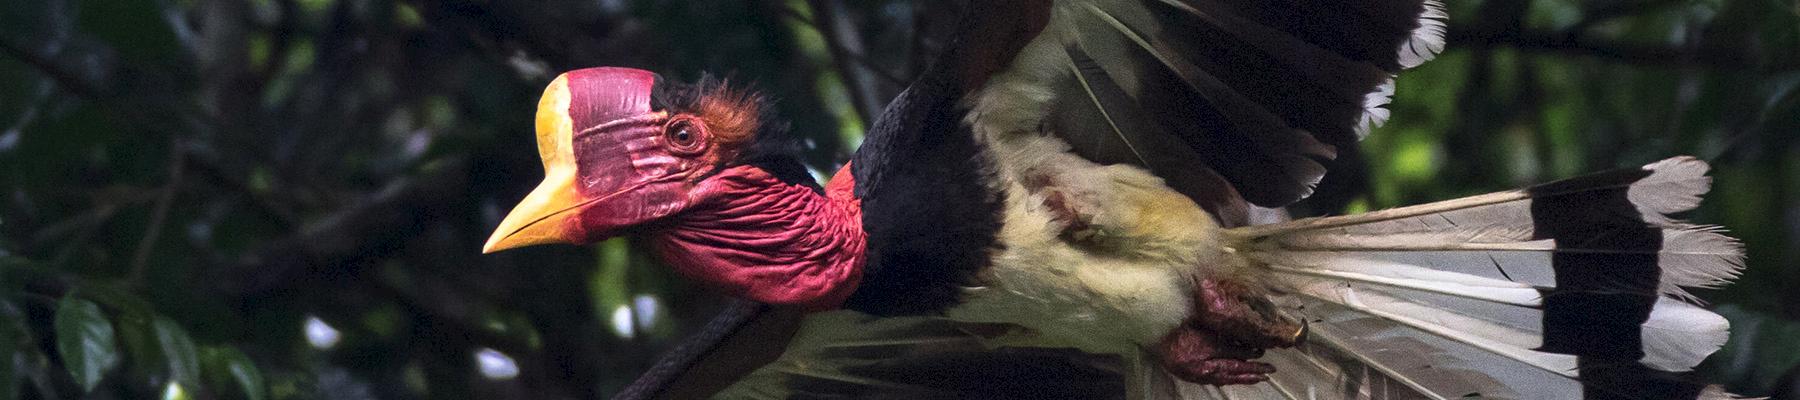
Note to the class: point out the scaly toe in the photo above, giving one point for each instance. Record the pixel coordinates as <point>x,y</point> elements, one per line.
<point>1201,357</point>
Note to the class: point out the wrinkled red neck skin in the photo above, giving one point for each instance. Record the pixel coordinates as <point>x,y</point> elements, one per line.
<point>758,238</point>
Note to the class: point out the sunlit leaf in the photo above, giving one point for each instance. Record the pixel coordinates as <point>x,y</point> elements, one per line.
<point>226,367</point>
<point>131,319</point>
<point>174,391</point>
<point>85,339</point>
<point>178,352</point>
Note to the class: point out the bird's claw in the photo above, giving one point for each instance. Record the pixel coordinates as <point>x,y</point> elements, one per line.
<point>1198,356</point>
<point>1230,327</point>
<point>1235,313</point>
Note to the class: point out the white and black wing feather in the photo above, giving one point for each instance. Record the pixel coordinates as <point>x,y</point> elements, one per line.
<point>1226,100</point>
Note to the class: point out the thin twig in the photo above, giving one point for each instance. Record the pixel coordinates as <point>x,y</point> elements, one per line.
<point>832,22</point>
<point>49,68</point>
<point>179,25</point>
<point>160,214</point>
<point>87,225</point>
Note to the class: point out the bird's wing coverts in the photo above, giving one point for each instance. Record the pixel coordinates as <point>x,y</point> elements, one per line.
<point>1217,96</point>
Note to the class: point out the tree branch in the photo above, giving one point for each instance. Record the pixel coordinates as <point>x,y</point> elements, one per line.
<point>372,230</point>
<point>833,22</point>
<point>50,68</point>
<point>159,215</point>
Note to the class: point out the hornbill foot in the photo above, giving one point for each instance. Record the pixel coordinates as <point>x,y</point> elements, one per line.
<point>1229,327</point>
<point>1198,356</point>
<point>1243,316</point>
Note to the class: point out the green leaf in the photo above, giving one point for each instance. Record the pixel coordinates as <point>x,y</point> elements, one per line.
<point>137,343</point>
<point>85,339</point>
<point>178,351</point>
<point>228,367</point>
<point>125,304</point>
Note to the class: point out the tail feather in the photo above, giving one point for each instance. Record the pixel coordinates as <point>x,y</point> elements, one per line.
<point>1582,280</point>
<point>1677,336</point>
<point>1504,228</point>
<point>1382,359</point>
<point>1509,340</point>
<point>1669,186</point>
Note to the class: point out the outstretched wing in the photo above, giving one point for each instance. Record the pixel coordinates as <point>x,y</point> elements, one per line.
<point>1215,96</point>
<point>752,351</point>
<point>846,354</point>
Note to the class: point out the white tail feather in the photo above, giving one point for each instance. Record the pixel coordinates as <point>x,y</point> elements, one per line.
<point>1675,185</point>
<point>1680,335</point>
<point>1676,337</point>
<point>1690,255</point>
<point>1357,350</point>
<point>1510,341</point>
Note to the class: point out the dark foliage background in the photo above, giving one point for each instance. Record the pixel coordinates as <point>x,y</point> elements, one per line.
<point>283,199</point>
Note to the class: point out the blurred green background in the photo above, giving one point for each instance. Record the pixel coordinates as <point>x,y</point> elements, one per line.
<point>275,199</point>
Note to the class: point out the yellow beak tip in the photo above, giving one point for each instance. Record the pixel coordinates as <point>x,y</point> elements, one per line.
<point>541,217</point>
<point>503,241</point>
<point>494,244</point>
<point>532,235</point>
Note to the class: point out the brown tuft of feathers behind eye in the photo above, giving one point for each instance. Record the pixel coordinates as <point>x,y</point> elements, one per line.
<point>732,115</point>
<point>742,125</point>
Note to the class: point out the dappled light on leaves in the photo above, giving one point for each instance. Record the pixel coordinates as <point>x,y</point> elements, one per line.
<point>173,391</point>
<point>320,334</point>
<point>645,307</point>
<point>622,323</point>
<point>495,365</point>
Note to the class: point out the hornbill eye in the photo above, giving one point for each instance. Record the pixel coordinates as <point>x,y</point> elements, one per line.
<point>685,135</point>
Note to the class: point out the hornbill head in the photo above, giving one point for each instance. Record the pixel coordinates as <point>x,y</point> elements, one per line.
<point>698,170</point>
<point>622,148</point>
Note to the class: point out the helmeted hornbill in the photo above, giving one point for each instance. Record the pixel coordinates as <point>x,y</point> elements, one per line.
<point>1060,207</point>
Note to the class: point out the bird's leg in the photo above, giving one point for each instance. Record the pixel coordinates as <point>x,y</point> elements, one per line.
<point>1200,356</point>
<point>1230,326</point>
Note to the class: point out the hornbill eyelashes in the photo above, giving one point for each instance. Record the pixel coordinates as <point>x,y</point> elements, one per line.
<point>686,135</point>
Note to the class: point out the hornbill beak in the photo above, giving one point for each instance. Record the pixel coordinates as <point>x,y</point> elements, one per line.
<point>592,129</point>
<point>543,217</point>
<point>546,215</point>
